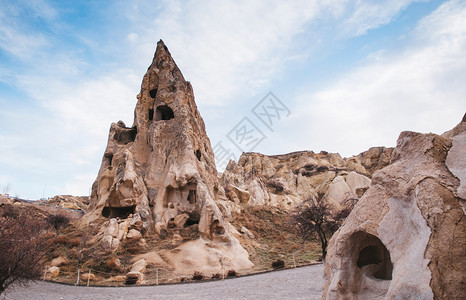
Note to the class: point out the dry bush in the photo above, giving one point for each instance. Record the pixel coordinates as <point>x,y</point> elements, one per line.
<point>198,276</point>
<point>24,242</point>
<point>278,264</point>
<point>58,221</point>
<point>232,273</point>
<point>112,264</point>
<point>215,276</point>
<point>75,241</point>
<point>61,239</point>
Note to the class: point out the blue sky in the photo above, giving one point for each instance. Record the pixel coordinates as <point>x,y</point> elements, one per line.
<point>353,74</point>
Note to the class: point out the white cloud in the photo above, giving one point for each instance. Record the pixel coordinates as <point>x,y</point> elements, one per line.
<point>420,89</point>
<point>230,50</point>
<point>371,14</point>
<point>17,37</point>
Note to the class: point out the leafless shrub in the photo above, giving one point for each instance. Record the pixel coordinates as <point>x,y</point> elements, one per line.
<point>278,264</point>
<point>198,276</point>
<point>318,217</point>
<point>24,241</point>
<point>58,221</point>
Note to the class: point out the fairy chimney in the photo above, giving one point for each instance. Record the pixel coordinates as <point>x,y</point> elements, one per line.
<point>163,165</point>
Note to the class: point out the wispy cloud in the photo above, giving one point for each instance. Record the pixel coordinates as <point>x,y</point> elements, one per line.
<point>235,48</point>
<point>421,89</point>
<point>230,50</point>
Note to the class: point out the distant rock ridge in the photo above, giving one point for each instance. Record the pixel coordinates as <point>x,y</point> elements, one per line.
<point>286,180</point>
<point>406,237</point>
<point>159,168</point>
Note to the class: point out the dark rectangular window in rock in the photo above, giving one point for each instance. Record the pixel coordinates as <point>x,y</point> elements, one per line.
<point>192,197</point>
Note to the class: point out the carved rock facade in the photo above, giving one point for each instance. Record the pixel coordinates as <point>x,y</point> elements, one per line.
<point>162,167</point>
<point>406,237</point>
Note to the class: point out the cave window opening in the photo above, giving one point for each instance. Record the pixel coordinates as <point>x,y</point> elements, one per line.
<point>164,112</point>
<point>153,93</point>
<point>118,212</point>
<point>109,157</point>
<point>126,135</point>
<point>193,219</point>
<point>198,154</point>
<point>151,114</point>
<point>192,197</point>
<point>216,229</point>
<point>377,255</point>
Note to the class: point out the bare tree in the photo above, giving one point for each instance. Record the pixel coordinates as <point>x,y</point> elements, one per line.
<point>318,217</point>
<point>24,241</point>
<point>6,189</point>
<point>85,251</point>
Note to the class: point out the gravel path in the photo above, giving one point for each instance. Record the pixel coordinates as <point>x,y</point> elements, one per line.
<point>300,283</point>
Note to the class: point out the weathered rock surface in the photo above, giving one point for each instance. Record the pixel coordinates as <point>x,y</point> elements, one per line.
<point>286,180</point>
<point>406,237</point>
<point>160,168</point>
<point>136,273</point>
<point>6,200</point>
<point>53,271</point>
<point>58,261</point>
<point>70,202</point>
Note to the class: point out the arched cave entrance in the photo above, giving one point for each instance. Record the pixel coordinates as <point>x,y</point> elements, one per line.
<point>164,112</point>
<point>373,252</point>
<point>118,212</point>
<point>126,135</point>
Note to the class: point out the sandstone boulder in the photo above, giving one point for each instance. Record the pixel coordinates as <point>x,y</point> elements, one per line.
<point>134,235</point>
<point>406,237</point>
<point>6,200</point>
<point>58,261</point>
<point>136,273</point>
<point>87,276</point>
<point>247,232</point>
<point>180,220</point>
<point>53,271</point>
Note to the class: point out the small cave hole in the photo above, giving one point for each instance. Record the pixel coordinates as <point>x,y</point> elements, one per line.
<point>118,212</point>
<point>198,154</point>
<point>109,158</point>
<point>194,218</point>
<point>216,228</point>
<point>171,223</point>
<point>164,112</point>
<point>192,196</point>
<point>151,114</point>
<point>153,93</point>
<point>377,255</point>
<point>126,135</point>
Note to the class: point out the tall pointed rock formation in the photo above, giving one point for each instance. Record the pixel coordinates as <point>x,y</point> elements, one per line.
<point>161,173</point>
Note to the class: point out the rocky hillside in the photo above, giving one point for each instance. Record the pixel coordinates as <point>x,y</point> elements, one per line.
<point>286,180</point>
<point>70,202</point>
